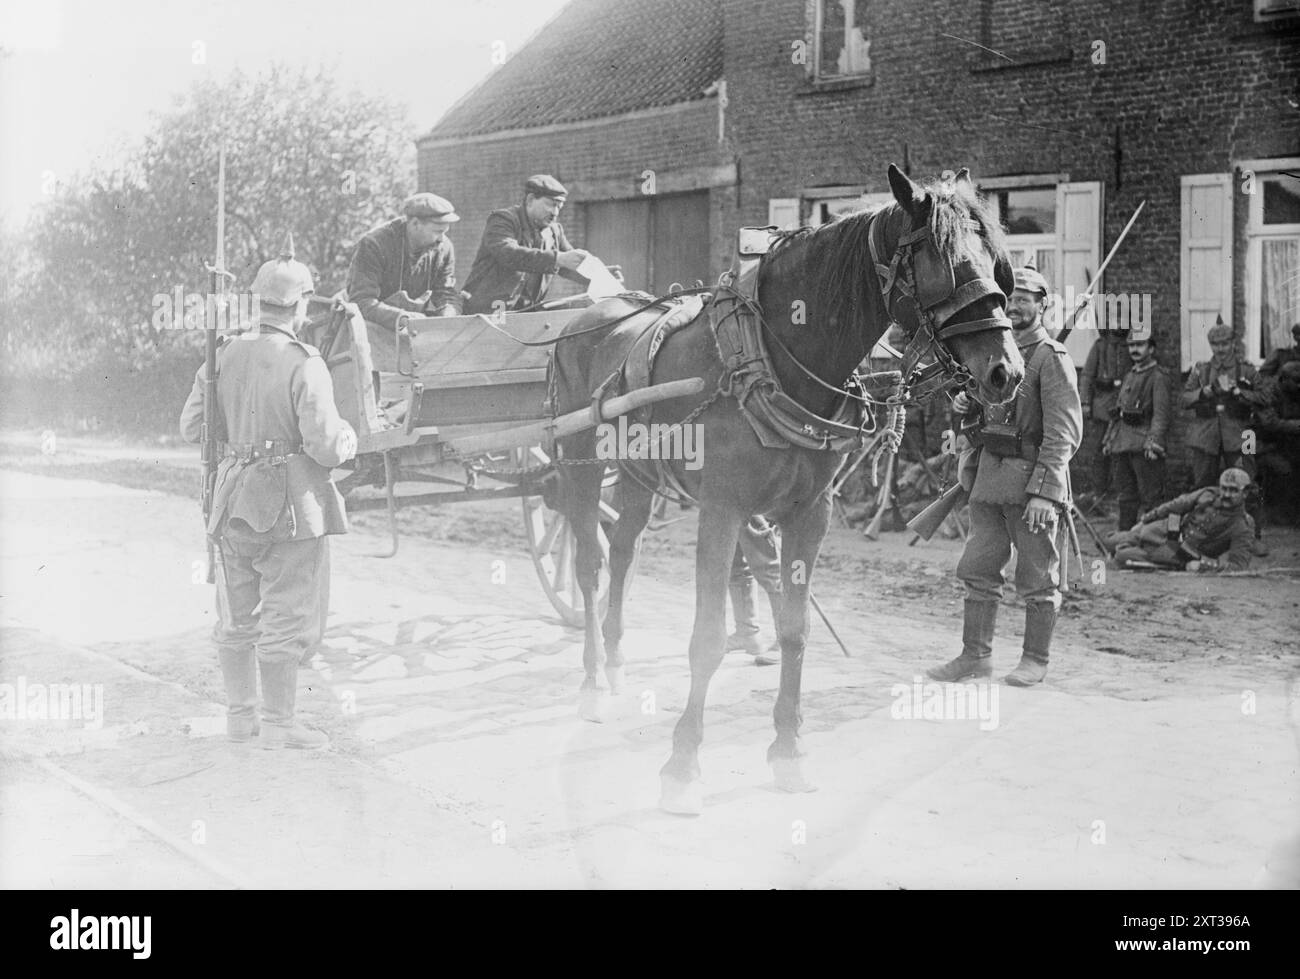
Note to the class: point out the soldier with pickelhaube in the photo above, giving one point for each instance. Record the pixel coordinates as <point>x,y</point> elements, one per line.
<point>274,505</point>
<point>1018,477</point>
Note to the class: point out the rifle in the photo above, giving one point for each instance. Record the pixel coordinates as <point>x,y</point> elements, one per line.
<point>925,523</point>
<point>217,274</point>
<point>1086,298</point>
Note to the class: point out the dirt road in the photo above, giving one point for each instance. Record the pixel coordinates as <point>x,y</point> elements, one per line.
<point>1157,754</point>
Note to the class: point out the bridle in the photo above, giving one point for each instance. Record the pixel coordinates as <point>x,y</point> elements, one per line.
<point>918,274</point>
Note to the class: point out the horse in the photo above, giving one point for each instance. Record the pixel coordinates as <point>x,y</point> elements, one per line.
<point>934,261</point>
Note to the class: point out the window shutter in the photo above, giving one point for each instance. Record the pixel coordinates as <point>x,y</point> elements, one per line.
<point>1205,266</point>
<point>783,212</point>
<point>1079,210</point>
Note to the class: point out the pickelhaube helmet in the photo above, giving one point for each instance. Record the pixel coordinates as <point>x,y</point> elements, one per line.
<point>1219,332</point>
<point>283,281</point>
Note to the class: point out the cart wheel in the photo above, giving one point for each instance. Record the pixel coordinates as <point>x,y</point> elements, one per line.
<point>553,547</point>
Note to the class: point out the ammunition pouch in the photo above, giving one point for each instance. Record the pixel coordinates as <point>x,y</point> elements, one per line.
<point>1205,410</point>
<point>1238,410</point>
<point>1173,525</point>
<point>1133,416</point>
<point>1001,439</point>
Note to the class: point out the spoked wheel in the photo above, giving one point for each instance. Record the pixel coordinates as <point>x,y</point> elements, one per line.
<point>553,546</point>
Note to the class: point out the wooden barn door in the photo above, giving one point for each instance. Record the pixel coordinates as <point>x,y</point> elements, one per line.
<point>657,240</point>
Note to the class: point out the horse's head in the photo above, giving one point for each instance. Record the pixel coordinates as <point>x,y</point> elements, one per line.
<point>945,277</point>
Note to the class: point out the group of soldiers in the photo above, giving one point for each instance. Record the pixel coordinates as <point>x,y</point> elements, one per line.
<point>274,505</point>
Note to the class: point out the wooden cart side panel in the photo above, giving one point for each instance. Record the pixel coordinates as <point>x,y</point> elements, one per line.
<point>453,345</point>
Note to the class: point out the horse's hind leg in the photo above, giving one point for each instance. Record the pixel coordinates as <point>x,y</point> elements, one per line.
<point>680,777</point>
<point>801,540</point>
<point>582,507</point>
<point>624,542</point>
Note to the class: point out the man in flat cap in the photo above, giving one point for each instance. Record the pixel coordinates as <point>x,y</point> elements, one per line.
<point>1222,393</point>
<point>1210,532</point>
<point>407,267</point>
<point>522,247</point>
<point>1018,476</point>
<point>274,506</point>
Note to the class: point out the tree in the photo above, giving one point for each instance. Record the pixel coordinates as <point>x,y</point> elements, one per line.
<point>301,156</point>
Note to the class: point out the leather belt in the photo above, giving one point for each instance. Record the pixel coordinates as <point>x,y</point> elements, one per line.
<point>275,452</point>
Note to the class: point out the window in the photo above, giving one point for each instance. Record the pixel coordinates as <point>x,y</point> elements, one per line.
<point>842,47</point>
<point>1270,10</point>
<point>1272,256</point>
<point>1029,216</point>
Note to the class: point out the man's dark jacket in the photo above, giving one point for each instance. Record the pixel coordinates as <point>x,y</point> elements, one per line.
<point>383,265</point>
<point>515,262</point>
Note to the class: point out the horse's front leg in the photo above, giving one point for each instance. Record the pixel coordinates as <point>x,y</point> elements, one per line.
<point>582,505</point>
<point>715,549</point>
<point>624,542</point>
<point>801,540</point>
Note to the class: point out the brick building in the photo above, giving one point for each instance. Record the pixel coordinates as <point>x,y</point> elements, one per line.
<point>676,121</point>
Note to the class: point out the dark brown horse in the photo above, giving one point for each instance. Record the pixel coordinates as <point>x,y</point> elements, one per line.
<point>938,244</point>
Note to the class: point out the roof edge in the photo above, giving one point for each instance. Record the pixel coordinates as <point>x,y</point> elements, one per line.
<point>558,127</point>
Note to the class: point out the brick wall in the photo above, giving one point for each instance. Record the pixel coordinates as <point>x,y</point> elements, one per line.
<point>1186,88</point>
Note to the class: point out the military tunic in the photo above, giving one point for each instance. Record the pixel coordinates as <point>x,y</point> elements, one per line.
<point>1103,372</point>
<point>1220,416</point>
<point>274,503</point>
<point>1048,418</point>
<point>1140,422</point>
<point>1206,529</point>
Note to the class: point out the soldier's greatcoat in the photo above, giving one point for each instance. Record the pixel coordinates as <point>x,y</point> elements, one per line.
<point>274,502</point>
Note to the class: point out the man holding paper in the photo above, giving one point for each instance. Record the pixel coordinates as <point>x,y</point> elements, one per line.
<point>522,247</point>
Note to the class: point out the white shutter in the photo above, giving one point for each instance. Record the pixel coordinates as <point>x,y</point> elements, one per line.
<point>1205,267</point>
<point>1079,210</point>
<point>783,212</point>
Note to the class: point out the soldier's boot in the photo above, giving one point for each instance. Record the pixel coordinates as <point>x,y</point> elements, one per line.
<point>976,659</point>
<point>1040,622</point>
<point>239,671</point>
<point>279,694</point>
<point>745,638</point>
<point>772,655</point>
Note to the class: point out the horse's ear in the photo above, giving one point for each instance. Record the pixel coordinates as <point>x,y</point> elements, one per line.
<point>963,178</point>
<point>909,196</point>
<point>1004,275</point>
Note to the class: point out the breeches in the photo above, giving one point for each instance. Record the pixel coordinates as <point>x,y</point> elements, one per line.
<point>994,530</point>
<point>757,557</point>
<point>271,597</point>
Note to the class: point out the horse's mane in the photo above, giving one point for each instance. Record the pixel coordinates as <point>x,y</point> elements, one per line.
<point>842,274</point>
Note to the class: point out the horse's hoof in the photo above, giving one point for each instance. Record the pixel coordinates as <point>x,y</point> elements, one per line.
<point>614,674</point>
<point>789,775</point>
<point>592,704</point>
<point>680,798</point>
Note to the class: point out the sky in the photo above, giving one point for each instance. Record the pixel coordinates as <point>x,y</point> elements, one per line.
<point>80,79</point>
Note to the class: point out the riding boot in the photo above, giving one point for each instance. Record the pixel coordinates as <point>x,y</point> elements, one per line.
<point>279,694</point>
<point>976,659</point>
<point>772,655</point>
<point>1040,621</point>
<point>745,638</point>
<point>239,671</point>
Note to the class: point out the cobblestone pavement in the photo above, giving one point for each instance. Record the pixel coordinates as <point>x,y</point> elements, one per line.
<point>449,690</point>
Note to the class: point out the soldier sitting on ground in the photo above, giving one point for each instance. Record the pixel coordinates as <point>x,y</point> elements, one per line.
<point>1211,531</point>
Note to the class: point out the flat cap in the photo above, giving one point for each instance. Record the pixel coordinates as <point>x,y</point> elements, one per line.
<point>544,185</point>
<point>1031,280</point>
<point>1219,332</point>
<point>428,205</point>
